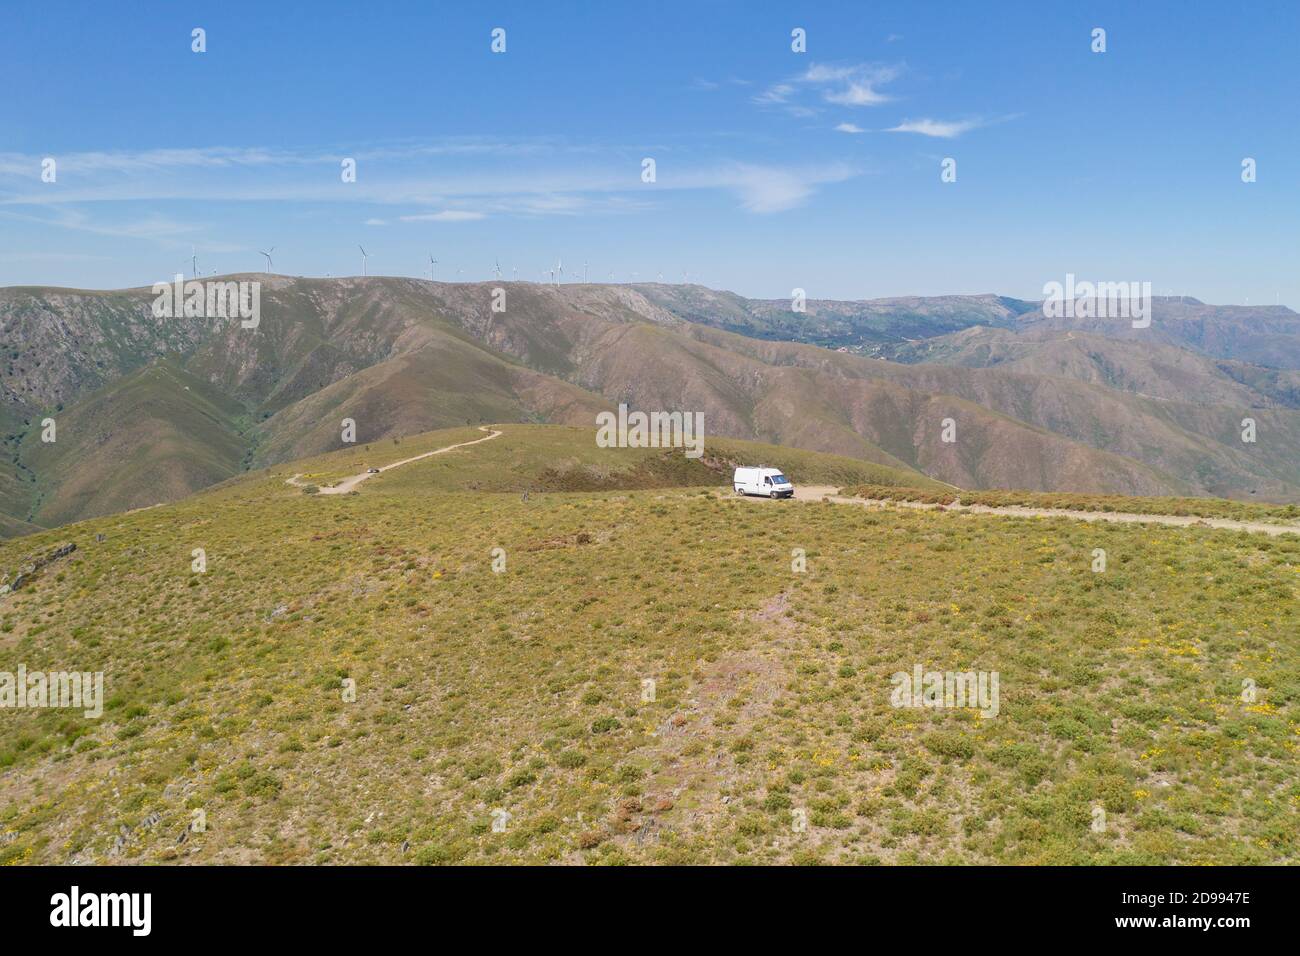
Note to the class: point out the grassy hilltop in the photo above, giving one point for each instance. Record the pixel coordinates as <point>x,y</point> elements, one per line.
<point>522,691</point>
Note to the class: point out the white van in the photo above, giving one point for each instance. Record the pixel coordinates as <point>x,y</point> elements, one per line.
<point>768,482</point>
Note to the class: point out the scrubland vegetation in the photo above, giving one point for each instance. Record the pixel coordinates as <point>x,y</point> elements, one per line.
<point>1183,507</point>
<point>525,691</point>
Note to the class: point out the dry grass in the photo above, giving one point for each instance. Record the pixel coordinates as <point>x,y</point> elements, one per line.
<point>523,690</point>
<point>1183,507</point>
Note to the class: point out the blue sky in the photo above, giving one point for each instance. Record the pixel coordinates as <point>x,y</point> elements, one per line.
<point>775,169</point>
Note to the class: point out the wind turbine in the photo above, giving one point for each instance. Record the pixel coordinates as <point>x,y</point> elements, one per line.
<point>584,271</point>
<point>365,268</point>
<point>661,275</point>
<point>497,263</point>
<point>194,262</point>
<point>268,258</point>
<point>432,262</point>
<point>514,272</point>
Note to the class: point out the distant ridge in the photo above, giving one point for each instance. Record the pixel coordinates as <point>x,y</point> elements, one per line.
<point>151,409</point>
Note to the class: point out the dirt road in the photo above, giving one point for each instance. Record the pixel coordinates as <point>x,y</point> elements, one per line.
<point>830,493</point>
<point>348,484</point>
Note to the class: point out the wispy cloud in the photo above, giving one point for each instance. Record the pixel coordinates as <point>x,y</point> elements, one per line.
<point>944,129</point>
<point>150,161</point>
<point>409,184</point>
<point>768,189</point>
<point>849,128</point>
<point>857,94</point>
<point>446,215</point>
<point>854,84</point>
<point>101,167</point>
<point>156,227</point>
<point>861,86</point>
<point>774,94</point>
<point>701,83</point>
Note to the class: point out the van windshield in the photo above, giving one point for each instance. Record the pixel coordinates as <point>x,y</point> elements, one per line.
<point>780,480</point>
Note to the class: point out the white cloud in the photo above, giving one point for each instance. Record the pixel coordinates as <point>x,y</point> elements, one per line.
<point>855,84</point>
<point>849,128</point>
<point>583,180</point>
<point>943,129</point>
<point>446,215</point>
<point>153,227</point>
<point>857,94</point>
<point>710,85</point>
<point>777,93</point>
<point>151,160</point>
<point>768,189</point>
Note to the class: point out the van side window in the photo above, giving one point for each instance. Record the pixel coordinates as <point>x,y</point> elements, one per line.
<point>767,481</point>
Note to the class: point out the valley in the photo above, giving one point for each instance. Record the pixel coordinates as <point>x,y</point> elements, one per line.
<point>152,408</point>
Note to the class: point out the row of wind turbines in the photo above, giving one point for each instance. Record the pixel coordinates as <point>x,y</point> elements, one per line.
<point>556,274</point>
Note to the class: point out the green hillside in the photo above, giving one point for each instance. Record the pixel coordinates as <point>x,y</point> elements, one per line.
<point>559,458</point>
<point>17,486</point>
<point>13,527</point>
<point>525,691</point>
<point>150,437</point>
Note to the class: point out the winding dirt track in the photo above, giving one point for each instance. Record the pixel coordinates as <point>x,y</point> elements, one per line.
<point>829,493</point>
<point>347,484</point>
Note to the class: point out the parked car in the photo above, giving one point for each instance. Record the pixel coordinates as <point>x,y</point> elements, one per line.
<point>768,482</point>
<point>372,471</point>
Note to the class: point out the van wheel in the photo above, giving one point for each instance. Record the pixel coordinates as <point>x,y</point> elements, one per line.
<point>774,496</point>
<point>738,491</point>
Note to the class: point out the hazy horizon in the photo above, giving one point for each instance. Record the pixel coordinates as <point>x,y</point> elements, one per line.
<point>505,281</point>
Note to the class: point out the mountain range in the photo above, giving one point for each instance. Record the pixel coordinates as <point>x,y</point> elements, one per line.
<point>150,409</point>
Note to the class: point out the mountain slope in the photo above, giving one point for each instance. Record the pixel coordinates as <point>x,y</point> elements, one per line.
<point>864,325</point>
<point>1035,406</point>
<point>155,435</point>
<point>1261,335</point>
<point>435,386</point>
<point>1149,369</point>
